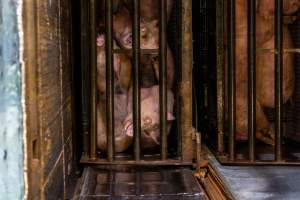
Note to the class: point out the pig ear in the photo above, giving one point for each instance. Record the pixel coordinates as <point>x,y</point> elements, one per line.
<point>155,22</point>
<point>128,128</point>
<point>170,116</point>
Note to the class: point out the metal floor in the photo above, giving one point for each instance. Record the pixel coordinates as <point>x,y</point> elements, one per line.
<point>260,182</point>
<point>141,183</point>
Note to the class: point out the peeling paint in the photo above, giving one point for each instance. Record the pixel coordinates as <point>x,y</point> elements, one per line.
<point>11,122</point>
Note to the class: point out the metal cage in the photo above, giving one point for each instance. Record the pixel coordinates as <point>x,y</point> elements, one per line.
<point>220,134</point>
<point>186,140</point>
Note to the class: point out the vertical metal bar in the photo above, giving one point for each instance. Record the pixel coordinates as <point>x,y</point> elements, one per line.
<point>220,73</point>
<point>84,64</point>
<point>251,77</point>
<point>109,80</point>
<point>93,76</point>
<point>163,79</point>
<point>178,73</point>
<point>231,78</point>
<point>278,78</point>
<point>136,80</point>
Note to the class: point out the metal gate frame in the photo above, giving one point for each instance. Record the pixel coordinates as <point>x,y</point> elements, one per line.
<point>89,57</point>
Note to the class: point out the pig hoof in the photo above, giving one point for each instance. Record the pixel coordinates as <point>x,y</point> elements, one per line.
<point>271,132</point>
<point>264,138</point>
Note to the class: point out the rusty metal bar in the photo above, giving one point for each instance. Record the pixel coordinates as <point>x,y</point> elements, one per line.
<point>163,78</point>
<point>109,80</point>
<point>93,73</point>
<point>169,162</point>
<point>220,74</point>
<point>251,78</point>
<point>278,79</point>
<point>136,80</point>
<point>231,78</point>
<point>84,75</point>
<point>142,51</point>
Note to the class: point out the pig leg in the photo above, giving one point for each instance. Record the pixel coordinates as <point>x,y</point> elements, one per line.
<point>264,130</point>
<point>170,68</point>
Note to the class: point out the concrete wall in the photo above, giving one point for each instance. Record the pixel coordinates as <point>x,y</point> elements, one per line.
<point>11,129</point>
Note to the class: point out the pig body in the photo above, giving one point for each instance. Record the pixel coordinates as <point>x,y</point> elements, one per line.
<point>264,67</point>
<point>266,72</point>
<point>264,130</point>
<point>149,68</point>
<point>122,74</point>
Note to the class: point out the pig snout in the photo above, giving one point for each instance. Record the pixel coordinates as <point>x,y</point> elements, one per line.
<point>150,116</point>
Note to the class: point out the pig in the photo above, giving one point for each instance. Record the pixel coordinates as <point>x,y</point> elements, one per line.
<point>122,74</point>
<point>264,130</point>
<point>122,68</point>
<point>265,73</point>
<point>123,120</point>
<point>265,60</point>
<point>150,133</point>
<point>264,67</point>
<point>148,40</point>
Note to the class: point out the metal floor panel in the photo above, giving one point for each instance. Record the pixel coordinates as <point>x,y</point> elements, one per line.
<point>140,183</point>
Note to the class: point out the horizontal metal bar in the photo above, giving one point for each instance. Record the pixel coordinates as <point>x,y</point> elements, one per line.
<point>170,162</point>
<point>142,51</point>
<point>225,160</point>
<point>260,163</point>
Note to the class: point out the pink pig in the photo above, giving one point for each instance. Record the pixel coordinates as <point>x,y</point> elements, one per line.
<point>150,118</point>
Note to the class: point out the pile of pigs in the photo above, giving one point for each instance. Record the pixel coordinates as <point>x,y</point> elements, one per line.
<point>122,64</point>
<point>149,68</point>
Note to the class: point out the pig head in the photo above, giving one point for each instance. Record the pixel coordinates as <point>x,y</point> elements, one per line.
<point>149,34</point>
<point>150,118</point>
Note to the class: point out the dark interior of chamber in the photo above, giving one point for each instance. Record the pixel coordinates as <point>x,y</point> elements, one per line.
<point>174,42</point>
<point>205,70</point>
